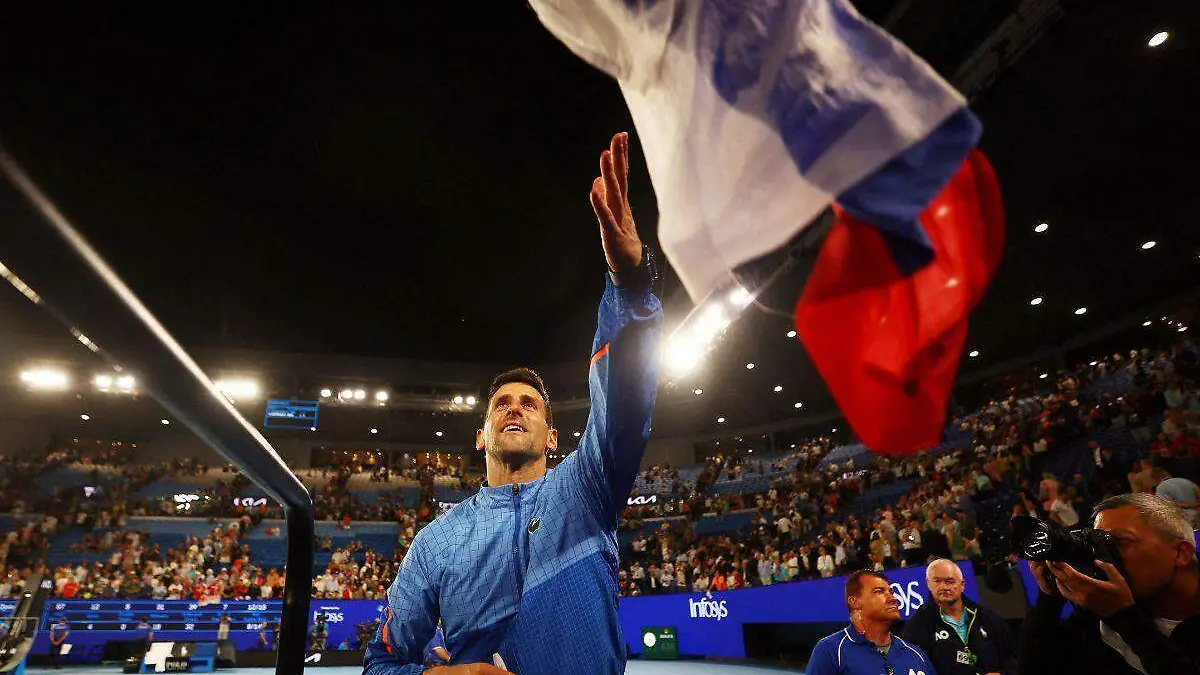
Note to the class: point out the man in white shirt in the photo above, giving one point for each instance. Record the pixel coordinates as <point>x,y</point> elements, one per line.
<point>1063,513</point>
<point>784,525</point>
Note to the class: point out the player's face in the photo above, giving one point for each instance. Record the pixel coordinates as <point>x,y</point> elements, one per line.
<point>516,424</point>
<point>876,601</point>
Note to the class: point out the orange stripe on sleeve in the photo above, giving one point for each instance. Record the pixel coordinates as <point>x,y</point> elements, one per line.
<point>600,354</point>
<point>387,644</point>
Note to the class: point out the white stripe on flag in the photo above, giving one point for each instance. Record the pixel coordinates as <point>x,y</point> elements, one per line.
<point>753,114</point>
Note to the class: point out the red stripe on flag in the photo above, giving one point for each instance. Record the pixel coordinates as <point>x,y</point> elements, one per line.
<point>888,345</point>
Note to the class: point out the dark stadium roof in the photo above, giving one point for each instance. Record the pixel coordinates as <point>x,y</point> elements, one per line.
<point>410,181</point>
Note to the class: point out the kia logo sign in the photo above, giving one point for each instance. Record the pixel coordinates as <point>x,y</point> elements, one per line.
<point>642,500</point>
<point>250,501</point>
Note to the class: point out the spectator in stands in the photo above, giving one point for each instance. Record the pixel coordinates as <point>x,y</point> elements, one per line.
<point>910,543</point>
<point>1185,494</point>
<point>1147,476</point>
<point>1147,622</point>
<point>960,637</point>
<point>858,648</point>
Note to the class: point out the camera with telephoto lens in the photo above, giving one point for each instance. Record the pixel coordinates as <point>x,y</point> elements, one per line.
<point>1044,541</point>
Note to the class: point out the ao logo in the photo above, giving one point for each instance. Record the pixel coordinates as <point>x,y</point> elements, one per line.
<point>941,635</point>
<point>642,500</point>
<point>910,599</point>
<point>707,608</point>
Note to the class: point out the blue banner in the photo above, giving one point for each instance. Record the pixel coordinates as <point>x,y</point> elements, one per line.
<point>8,608</point>
<point>710,624</point>
<point>95,622</point>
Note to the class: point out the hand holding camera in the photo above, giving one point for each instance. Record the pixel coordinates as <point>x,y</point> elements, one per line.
<point>1103,598</point>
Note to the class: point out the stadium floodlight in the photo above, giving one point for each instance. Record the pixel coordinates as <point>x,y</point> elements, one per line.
<point>103,382</point>
<point>798,405</point>
<point>1158,38</point>
<point>165,422</point>
<point>791,333</point>
<point>381,396</point>
<point>778,388</point>
<point>834,430</point>
<point>374,431</point>
<point>1041,227</point>
<point>749,366</point>
<point>326,392</point>
<point>360,395</point>
<point>697,391</point>
<point>238,389</point>
<point>1149,245</point>
<point>1081,311</point>
<point>1147,323</point>
<point>1043,376</point>
<point>346,394</point>
<point>974,353</point>
<point>439,434</point>
<point>684,354</point>
<point>126,383</point>
<point>85,417</point>
<point>471,400</point>
<point>720,420</point>
<point>578,434</point>
<point>1093,364</point>
<point>1182,329</point>
<point>458,400</point>
<point>1036,301</point>
<point>46,379</point>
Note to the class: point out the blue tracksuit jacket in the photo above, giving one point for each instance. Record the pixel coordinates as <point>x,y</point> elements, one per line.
<point>529,571</point>
<point>848,652</point>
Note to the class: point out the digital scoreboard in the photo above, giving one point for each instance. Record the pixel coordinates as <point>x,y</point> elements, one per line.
<point>290,414</point>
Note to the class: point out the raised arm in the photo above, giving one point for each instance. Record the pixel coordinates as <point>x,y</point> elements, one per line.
<point>623,375</point>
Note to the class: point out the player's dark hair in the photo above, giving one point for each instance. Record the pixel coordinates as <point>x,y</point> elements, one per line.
<point>521,376</point>
<point>854,583</point>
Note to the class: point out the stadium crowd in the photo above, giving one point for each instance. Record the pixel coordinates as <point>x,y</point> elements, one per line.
<point>806,524</point>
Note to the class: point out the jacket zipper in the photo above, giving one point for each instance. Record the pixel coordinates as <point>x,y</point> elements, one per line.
<point>520,570</point>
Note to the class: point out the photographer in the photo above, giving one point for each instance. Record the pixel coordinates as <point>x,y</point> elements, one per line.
<point>1146,622</point>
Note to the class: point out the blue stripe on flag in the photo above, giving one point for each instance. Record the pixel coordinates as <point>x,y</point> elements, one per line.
<point>742,37</point>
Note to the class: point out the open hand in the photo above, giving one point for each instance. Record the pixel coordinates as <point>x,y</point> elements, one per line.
<point>610,201</point>
<point>1104,598</point>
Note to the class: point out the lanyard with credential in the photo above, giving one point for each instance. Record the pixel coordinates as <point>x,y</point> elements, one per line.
<point>964,656</point>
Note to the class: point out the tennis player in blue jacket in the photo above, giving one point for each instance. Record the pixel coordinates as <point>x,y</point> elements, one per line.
<point>867,646</point>
<point>524,573</point>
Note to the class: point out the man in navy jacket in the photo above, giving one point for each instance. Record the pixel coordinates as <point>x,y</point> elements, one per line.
<point>524,573</point>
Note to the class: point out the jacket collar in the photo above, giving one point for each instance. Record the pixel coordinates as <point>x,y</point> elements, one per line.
<point>502,495</point>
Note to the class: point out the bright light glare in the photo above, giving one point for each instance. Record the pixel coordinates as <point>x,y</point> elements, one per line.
<point>1149,245</point>
<point>381,396</point>
<point>1093,364</point>
<point>740,297</point>
<point>697,391</point>
<point>1159,38</point>
<point>1041,227</point>
<point>578,434</point>
<point>834,430</point>
<point>439,434</point>
<point>1043,376</point>
<point>974,353</point>
<point>126,383</point>
<point>798,405</point>
<point>470,400</point>
<point>374,431</point>
<point>359,395</point>
<point>458,400</point>
<point>1147,323</point>
<point>326,393</point>
<point>237,389</point>
<point>711,322</point>
<point>103,381</point>
<point>346,394</point>
<point>85,417</point>
<point>778,388</point>
<point>720,420</point>
<point>45,378</point>
<point>1036,301</point>
<point>684,354</point>
<point>791,333</point>
<point>1081,311</point>
<point>749,366</point>
<point>1182,329</point>
<point>165,422</point>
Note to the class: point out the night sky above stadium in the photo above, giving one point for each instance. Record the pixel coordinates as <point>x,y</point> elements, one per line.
<point>413,182</point>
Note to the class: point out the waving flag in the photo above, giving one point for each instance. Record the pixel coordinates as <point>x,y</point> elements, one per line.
<point>755,116</point>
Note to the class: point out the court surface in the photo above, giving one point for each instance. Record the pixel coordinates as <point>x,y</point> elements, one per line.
<point>635,668</point>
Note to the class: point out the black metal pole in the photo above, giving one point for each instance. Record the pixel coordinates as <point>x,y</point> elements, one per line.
<point>49,261</point>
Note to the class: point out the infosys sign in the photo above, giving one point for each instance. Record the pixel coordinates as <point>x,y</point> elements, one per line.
<point>710,624</point>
